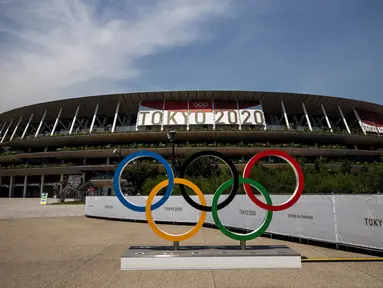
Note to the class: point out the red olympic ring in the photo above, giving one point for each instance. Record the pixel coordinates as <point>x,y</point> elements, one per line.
<point>298,176</point>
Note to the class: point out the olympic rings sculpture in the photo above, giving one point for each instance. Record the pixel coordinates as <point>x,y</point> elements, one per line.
<point>233,183</point>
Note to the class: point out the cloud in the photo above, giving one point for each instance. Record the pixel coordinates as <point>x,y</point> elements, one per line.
<point>60,49</point>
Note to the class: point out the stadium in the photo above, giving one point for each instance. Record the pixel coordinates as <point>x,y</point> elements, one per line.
<point>81,141</point>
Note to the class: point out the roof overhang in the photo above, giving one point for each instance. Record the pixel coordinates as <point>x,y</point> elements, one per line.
<point>129,103</point>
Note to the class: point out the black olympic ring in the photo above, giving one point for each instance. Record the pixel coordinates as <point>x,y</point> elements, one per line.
<point>234,173</point>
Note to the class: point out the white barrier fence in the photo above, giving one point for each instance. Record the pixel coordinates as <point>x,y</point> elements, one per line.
<point>344,219</point>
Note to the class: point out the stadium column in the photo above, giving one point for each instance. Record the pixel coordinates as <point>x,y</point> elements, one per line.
<point>239,116</point>
<point>213,110</point>
<point>42,184</point>
<point>26,127</point>
<point>327,120</point>
<point>376,127</point>
<point>15,130</point>
<point>2,128</point>
<point>307,117</point>
<point>138,116</point>
<point>344,120</point>
<point>74,120</point>
<point>115,117</point>
<point>285,115</point>
<point>6,131</point>
<point>41,124</point>
<point>57,121</point>
<point>359,121</point>
<point>163,112</point>
<point>188,118</point>
<point>11,180</point>
<point>93,119</point>
<point>25,186</point>
<point>265,127</point>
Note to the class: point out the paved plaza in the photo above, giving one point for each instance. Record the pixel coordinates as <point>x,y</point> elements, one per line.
<point>16,208</point>
<point>77,251</point>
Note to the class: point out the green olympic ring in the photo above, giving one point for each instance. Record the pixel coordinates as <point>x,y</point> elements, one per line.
<point>235,236</point>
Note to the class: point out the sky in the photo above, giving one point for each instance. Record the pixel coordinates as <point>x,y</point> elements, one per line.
<point>55,49</point>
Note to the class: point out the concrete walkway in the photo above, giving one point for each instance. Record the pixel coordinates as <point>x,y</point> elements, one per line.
<point>83,252</point>
<point>16,208</point>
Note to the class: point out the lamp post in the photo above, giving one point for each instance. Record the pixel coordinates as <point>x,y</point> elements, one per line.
<point>118,152</point>
<point>171,137</point>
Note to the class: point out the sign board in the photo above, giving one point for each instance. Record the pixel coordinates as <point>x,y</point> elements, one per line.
<point>360,220</point>
<point>344,219</point>
<point>371,122</point>
<point>209,112</point>
<point>251,113</point>
<point>312,217</point>
<point>44,199</point>
<point>175,113</point>
<point>201,113</point>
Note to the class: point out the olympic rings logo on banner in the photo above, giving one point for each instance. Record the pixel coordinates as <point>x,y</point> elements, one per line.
<point>202,206</point>
<point>201,105</point>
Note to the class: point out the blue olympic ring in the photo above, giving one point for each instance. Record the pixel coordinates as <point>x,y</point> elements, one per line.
<point>120,169</point>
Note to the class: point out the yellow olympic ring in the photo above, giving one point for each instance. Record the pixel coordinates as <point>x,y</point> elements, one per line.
<point>153,225</point>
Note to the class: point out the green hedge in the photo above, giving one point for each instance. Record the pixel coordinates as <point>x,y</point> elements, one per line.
<point>23,166</point>
<point>6,153</point>
<point>318,179</point>
<point>136,145</point>
<point>218,128</point>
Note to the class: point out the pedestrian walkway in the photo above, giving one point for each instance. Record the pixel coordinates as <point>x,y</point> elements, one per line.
<point>16,208</point>
<point>85,252</point>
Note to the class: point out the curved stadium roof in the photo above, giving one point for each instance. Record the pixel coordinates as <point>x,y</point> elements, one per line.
<point>129,103</point>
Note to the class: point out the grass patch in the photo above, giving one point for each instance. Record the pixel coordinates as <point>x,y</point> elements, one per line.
<point>68,203</point>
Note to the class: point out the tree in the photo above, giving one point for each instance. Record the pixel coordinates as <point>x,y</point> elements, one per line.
<point>62,191</point>
<point>346,166</point>
<point>208,175</point>
<point>204,167</point>
<point>178,163</point>
<point>136,175</point>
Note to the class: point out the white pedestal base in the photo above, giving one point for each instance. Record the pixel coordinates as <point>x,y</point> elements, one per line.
<point>209,257</point>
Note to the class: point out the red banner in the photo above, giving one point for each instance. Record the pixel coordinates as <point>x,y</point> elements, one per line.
<point>372,122</point>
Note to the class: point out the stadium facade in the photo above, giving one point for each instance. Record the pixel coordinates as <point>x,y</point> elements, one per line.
<point>81,140</point>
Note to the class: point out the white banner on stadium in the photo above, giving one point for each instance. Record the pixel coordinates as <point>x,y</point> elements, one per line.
<point>251,113</point>
<point>175,113</point>
<point>353,220</point>
<point>226,112</point>
<point>201,113</point>
<point>150,113</point>
<point>371,122</point>
<point>209,112</point>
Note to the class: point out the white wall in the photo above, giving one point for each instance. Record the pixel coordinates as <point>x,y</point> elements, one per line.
<point>345,219</point>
